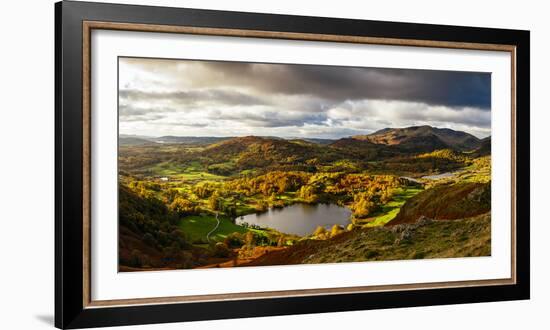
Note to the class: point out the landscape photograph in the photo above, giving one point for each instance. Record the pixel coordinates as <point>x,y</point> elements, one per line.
<point>234,164</point>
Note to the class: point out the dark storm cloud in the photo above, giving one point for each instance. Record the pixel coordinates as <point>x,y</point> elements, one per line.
<point>338,83</point>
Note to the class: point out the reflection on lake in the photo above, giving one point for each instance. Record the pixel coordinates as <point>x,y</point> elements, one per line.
<point>439,176</point>
<point>299,219</point>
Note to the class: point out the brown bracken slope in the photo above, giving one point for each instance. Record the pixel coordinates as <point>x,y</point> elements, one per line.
<point>446,202</point>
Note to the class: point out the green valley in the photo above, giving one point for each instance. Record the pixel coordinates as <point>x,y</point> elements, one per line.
<point>419,192</point>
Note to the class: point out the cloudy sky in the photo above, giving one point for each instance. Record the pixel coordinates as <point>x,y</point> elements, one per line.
<point>206,98</point>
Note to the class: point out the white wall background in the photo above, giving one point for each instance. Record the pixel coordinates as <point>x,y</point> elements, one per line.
<point>27,168</point>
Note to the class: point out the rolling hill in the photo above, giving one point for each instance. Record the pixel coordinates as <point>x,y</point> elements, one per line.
<point>130,140</point>
<point>363,149</point>
<point>258,152</point>
<point>396,149</point>
<point>385,142</point>
<point>422,138</point>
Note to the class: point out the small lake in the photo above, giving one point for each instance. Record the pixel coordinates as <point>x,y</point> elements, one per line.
<point>430,177</point>
<point>439,176</point>
<point>299,219</point>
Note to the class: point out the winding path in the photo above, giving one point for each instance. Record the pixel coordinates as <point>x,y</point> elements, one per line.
<point>213,230</point>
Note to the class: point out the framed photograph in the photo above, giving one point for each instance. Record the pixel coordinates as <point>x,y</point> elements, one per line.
<point>214,164</point>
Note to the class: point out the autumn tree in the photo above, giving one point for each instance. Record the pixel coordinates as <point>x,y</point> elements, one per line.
<point>362,205</point>
<point>335,230</point>
<point>320,232</point>
<point>386,195</point>
<point>182,206</point>
<point>307,193</point>
<point>214,201</point>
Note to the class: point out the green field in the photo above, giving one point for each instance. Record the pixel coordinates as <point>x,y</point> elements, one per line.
<point>167,168</point>
<point>390,210</point>
<point>188,172</point>
<point>196,227</point>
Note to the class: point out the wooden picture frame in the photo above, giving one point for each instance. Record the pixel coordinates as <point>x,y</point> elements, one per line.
<point>74,307</point>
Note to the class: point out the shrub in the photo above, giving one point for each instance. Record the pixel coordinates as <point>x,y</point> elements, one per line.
<point>372,254</point>
<point>234,240</point>
<point>336,229</point>
<point>185,260</point>
<point>320,230</point>
<point>221,250</point>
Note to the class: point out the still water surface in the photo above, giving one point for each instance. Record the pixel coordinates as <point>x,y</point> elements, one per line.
<point>300,219</point>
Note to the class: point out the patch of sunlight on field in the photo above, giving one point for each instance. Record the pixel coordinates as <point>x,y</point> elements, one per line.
<point>196,227</point>
<point>391,209</point>
<point>190,172</point>
<point>166,169</point>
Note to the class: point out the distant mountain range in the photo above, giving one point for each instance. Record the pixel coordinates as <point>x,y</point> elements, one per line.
<point>141,140</point>
<point>130,140</point>
<point>386,141</point>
